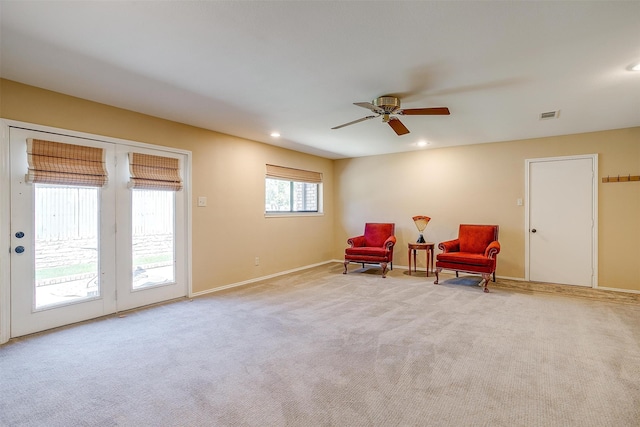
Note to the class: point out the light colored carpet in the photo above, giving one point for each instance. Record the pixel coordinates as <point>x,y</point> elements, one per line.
<point>318,348</point>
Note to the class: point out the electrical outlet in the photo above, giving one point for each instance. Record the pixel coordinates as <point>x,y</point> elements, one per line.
<point>257,261</point>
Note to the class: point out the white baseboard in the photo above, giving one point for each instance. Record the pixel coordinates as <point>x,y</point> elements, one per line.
<point>630,291</point>
<point>515,279</point>
<point>257,279</point>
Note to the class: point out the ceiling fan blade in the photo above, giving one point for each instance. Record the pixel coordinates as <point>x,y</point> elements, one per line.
<point>355,121</point>
<point>436,111</point>
<point>398,127</point>
<point>369,106</point>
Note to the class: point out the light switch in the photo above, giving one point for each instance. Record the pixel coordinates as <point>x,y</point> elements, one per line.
<point>202,201</point>
<point>519,202</point>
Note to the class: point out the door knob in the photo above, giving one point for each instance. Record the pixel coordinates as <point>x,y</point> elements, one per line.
<point>19,234</point>
<point>533,230</point>
<point>19,249</point>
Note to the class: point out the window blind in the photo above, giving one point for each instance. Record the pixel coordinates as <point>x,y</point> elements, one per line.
<point>65,164</point>
<point>290,174</point>
<point>154,172</point>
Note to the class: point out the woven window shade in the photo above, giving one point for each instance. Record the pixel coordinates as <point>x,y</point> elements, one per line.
<point>154,172</point>
<point>65,164</point>
<point>298,175</point>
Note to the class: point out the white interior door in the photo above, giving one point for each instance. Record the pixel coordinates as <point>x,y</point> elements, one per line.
<point>562,220</point>
<point>80,252</point>
<point>63,245</point>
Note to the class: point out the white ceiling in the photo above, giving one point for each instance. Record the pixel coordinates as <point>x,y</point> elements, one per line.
<point>248,68</point>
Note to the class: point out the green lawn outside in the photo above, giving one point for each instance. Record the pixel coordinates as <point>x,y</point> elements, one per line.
<point>77,269</point>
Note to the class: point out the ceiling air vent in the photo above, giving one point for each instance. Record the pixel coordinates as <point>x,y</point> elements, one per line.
<point>550,115</point>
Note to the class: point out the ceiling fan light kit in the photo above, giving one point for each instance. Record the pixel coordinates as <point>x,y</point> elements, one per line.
<point>387,106</point>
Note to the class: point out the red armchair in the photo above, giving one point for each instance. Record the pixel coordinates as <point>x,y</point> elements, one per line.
<point>474,251</point>
<point>375,246</point>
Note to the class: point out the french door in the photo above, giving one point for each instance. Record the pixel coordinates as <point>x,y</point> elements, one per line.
<point>83,252</point>
<point>150,243</point>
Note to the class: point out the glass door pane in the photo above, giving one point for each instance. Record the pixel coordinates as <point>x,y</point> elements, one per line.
<point>153,238</point>
<point>66,245</point>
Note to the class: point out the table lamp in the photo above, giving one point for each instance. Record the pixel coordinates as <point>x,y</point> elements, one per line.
<point>421,222</point>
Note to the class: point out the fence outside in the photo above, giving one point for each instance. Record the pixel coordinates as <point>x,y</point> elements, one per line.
<point>70,213</point>
<point>66,228</point>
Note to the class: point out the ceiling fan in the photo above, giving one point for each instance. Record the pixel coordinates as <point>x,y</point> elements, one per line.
<point>387,106</point>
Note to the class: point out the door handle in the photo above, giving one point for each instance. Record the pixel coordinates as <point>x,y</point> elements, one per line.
<point>533,230</point>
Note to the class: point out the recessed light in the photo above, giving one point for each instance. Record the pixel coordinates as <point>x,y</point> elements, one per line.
<point>634,66</point>
<point>275,134</point>
<point>422,143</point>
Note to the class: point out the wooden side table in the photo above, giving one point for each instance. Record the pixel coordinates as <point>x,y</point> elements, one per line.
<point>415,247</point>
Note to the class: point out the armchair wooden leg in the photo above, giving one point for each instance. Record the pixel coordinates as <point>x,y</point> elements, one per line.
<point>345,267</point>
<point>485,278</point>
<point>438,270</point>
<point>384,269</point>
<point>494,277</point>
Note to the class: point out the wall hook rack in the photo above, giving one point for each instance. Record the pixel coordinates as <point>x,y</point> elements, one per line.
<point>621,178</point>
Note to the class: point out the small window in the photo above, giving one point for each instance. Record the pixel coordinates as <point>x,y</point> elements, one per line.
<point>292,190</point>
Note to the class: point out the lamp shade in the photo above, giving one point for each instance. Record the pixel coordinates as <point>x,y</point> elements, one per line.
<point>421,222</point>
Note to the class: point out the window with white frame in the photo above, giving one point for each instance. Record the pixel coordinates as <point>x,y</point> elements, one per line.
<point>292,190</point>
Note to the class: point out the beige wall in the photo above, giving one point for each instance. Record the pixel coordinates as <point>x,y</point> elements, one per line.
<point>232,230</point>
<point>480,184</point>
<point>452,185</point>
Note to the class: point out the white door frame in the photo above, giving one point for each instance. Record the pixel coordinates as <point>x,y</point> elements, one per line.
<point>594,188</point>
<point>5,208</point>
<point>5,240</point>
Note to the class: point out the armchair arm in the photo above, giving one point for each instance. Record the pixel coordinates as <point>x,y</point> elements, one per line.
<point>356,241</point>
<point>450,246</point>
<point>391,240</point>
<point>492,250</point>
